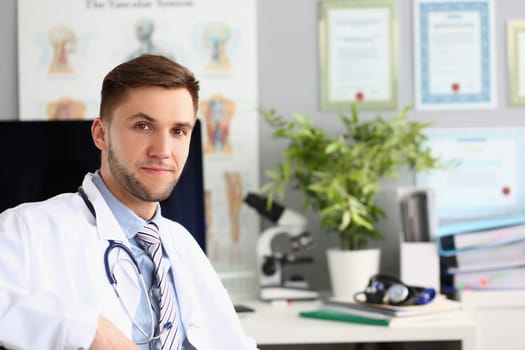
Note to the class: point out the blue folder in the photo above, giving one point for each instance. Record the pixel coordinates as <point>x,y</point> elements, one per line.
<point>483,226</point>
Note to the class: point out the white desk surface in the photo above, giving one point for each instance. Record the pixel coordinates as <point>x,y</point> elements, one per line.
<point>281,324</point>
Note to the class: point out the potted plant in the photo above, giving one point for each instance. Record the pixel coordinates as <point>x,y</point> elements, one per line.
<point>340,174</point>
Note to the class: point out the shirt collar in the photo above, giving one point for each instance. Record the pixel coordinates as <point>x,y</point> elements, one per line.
<point>128,221</point>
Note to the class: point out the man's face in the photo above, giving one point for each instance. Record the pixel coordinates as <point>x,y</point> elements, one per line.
<point>146,143</point>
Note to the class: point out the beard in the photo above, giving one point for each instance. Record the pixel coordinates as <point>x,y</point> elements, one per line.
<point>133,185</point>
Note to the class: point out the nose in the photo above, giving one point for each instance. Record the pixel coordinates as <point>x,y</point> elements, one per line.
<point>161,144</point>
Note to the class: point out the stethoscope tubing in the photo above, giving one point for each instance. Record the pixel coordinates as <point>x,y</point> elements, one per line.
<point>117,245</point>
<point>113,281</point>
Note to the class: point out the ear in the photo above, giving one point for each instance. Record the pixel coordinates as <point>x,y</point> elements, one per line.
<point>98,132</point>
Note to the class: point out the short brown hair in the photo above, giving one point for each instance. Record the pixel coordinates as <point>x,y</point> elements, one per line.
<point>145,70</point>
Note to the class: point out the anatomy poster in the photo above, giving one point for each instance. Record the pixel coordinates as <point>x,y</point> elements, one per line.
<point>67,46</point>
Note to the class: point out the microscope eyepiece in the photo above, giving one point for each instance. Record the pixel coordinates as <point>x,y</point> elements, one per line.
<point>260,204</point>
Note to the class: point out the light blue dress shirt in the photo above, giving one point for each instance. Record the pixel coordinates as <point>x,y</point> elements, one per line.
<point>131,224</point>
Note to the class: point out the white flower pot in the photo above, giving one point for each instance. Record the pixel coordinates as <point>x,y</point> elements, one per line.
<point>350,270</point>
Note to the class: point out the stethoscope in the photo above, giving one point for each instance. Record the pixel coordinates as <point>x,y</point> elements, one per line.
<point>149,337</point>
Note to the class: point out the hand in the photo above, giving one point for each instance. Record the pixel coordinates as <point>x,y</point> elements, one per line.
<point>109,337</point>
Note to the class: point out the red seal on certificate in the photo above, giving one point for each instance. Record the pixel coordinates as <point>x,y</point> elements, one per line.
<point>505,190</point>
<point>455,87</point>
<point>359,96</point>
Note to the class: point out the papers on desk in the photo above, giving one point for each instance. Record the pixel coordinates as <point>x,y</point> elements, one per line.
<point>344,310</point>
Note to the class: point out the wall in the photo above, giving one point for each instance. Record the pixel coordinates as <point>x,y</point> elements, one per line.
<point>289,80</point>
<point>8,63</point>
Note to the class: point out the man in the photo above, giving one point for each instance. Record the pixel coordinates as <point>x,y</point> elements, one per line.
<point>86,270</point>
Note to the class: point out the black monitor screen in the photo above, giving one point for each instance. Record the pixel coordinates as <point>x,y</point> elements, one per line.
<point>43,158</point>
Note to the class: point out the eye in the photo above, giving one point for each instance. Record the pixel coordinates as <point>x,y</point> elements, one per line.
<point>179,131</point>
<point>142,126</point>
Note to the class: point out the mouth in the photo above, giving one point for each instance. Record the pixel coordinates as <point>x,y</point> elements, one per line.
<point>154,170</point>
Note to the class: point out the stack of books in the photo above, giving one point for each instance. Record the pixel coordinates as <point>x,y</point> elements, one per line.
<point>483,254</point>
<point>347,310</point>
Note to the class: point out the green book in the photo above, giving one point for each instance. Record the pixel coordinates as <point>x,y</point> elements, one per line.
<point>336,316</point>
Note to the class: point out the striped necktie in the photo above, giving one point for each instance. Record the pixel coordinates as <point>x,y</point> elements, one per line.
<point>170,338</point>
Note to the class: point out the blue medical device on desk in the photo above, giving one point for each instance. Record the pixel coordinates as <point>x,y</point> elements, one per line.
<point>270,263</point>
<point>385,289</point>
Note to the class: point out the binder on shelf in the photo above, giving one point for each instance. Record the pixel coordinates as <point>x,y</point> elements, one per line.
<point>493,279</point>
<point>460,237</point>
<point>497,258</point>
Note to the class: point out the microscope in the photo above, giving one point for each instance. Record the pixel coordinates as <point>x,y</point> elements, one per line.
<point>270,263</point>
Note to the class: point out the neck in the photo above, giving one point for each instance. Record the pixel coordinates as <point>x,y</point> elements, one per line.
<point>144,210</point>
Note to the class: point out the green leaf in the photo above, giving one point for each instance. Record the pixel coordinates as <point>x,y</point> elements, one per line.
<point>339,175</point>
<point>346,219</point>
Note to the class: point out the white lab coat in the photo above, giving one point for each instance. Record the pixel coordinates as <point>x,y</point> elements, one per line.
<point>53,284</point>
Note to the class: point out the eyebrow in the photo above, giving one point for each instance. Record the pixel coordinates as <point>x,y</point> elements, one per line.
<point>149,118</point>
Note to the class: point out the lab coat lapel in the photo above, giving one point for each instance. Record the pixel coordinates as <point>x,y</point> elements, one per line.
<point>192,314</point>
<point>119,262</point>
<point>107,225</point>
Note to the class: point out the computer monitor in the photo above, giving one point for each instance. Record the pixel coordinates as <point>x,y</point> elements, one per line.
<point>43,158</point>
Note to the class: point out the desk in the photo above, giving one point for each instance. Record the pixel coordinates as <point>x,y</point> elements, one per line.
<point>498,316</point>
<point>281,325</point>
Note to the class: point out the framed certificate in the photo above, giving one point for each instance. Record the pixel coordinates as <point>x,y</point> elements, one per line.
<point>484,174</point>
<point>358,50</point>
<point>516,57</point>
<point>453,54</point>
